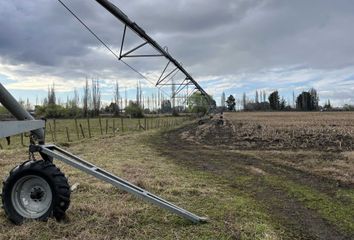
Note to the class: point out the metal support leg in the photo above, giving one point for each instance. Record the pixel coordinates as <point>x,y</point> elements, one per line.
<point>76,162</point>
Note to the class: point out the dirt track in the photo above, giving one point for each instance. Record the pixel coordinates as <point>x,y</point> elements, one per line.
<point>265,175</point>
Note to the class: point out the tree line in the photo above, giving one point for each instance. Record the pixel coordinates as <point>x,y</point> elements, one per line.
<point>89,103</point>
<point>305,101</point>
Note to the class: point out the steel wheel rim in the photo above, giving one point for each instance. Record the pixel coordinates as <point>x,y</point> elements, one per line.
<point>31,196</point>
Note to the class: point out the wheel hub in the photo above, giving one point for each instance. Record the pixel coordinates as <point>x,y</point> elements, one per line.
<point>37,194</point>
<point>32,197</point>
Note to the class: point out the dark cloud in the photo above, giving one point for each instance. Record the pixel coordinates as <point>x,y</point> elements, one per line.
<point>210,37</point>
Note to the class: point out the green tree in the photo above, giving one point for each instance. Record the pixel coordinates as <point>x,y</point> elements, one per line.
<point>86,99</point>
<point>348,107</point>
<point>96,97</point>
<point>134,110</point>
<point>314,99</point>
<point>197,103</point>
<point>231,103</point>
<point>274,101</point>
<point>113,108</point>
<point>257,97</point>
<point>51,111</point>
<point>303,102</point>
<point>51,95</point>
<point>117,98</point>
<point>328,105</point>
<point>282,104</point>
<point>72,112</point>
<point>166,106</point>
<point>308,101</point>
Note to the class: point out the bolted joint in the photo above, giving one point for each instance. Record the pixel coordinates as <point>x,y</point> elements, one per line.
<point>34,148</point>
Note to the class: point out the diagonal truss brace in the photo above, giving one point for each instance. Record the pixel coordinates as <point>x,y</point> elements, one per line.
<point>163,52</point>
<point>128,53</point>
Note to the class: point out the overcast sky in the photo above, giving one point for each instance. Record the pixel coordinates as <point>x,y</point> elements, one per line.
<point>234,46</point>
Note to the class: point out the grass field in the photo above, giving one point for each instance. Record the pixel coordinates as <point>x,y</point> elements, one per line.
<point>276,192</point>
<point>69,130</point>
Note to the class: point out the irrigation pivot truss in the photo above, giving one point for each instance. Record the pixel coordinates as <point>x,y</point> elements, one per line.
<point>162,52</point>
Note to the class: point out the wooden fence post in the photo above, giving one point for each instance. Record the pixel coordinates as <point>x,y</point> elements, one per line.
<point>82,131</point>
<point>99,120</point>
<point>22,143</point>
<point>107,126</point>
<point>45,129</point>
<point>51,131</point>
<point>114,127</point>
<point>55,130</point>
<point>67,134</point>
<point>77,129</point>
<point>122,122</point>
<point>89,127</point>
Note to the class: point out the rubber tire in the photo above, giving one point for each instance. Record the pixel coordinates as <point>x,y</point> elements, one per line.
<point>52,175</point>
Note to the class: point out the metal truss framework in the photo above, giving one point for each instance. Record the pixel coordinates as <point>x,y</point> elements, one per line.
<point>162,52</point>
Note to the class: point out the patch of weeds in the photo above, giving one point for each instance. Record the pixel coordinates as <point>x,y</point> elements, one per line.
<point>346,195</point>
<point>335,212</point>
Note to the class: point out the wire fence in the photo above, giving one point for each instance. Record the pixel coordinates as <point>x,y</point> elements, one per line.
<point>72,130</point>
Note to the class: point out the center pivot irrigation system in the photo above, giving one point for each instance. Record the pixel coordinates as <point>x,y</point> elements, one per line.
<point>167,77</point>
<point>37,189</point>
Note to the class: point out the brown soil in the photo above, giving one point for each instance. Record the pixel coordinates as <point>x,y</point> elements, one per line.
<point>215,148</point>
<point>252,135</point>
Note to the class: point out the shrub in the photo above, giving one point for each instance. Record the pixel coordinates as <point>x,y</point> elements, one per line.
<point>134,110</point>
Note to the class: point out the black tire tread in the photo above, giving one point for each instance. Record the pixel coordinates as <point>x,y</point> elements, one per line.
<point>56,179</point>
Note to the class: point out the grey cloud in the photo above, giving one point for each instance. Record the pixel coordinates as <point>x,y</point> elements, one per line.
<point>248,34</point>
<point>210,37</point>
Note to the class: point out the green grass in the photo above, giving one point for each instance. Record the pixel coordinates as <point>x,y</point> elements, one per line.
<point>346,195</point>
<point>99,211</point>
<point>228,191</point>
<point>337,209</point>
<point>56,130</point>
<point>329,208</point>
